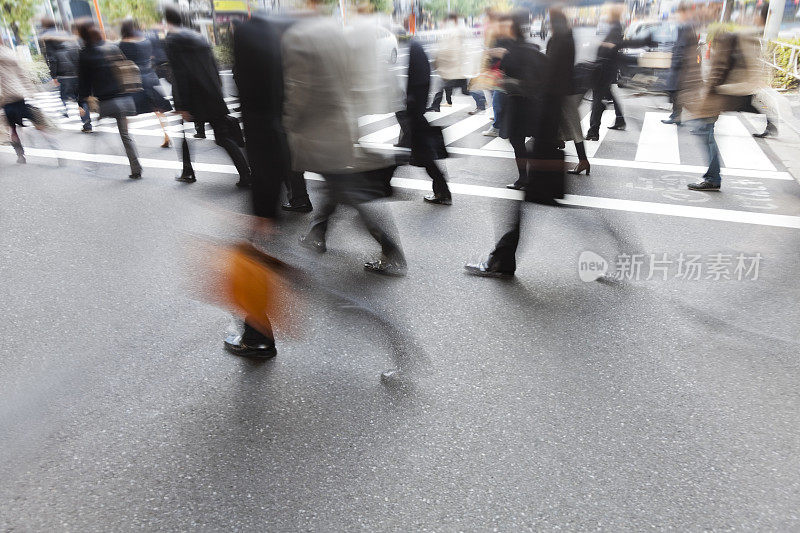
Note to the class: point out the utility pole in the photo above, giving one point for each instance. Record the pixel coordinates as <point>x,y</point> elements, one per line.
<point>62,10</point>
<point>774,18</point>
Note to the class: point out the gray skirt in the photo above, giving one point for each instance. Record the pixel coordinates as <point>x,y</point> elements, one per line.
<point>570,127</point>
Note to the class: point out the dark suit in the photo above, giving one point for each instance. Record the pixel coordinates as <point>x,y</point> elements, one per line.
<point>683,52</point>
<point>197,90</point>
<point>608,60</point>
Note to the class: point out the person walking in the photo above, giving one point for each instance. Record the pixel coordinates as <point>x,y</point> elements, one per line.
<point>546,181</point>
<point>449,64</point>
<point>61,51</point>
<point>684,52</point>
<point>100,77</point>
<point>608,68</point>
<point>734,79</point>
<point>522,67</point>
<point>426,142</point>
<point>135,47</point>
<point>15,86</point>
<point>197,93</point>
<point>324,73</point>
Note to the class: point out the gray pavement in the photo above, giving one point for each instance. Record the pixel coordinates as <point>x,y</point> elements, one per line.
<point>541,403</point>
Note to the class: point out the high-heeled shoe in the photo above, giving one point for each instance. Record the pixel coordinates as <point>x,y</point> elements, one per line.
<point>582,165</point>
<point>167,142</point>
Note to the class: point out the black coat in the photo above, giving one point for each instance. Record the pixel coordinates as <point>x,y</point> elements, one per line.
<point>523,67</point>
<point>258,71</point>
<point>95,77</point>
<point>558,83</point>
<point>426,141</point>
<point>197,87</point>
<point>608,54</point>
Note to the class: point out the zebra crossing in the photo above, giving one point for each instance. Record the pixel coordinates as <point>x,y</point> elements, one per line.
<point>657,146</point>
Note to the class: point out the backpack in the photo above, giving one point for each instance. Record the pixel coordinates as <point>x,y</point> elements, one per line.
<point>124,71</point>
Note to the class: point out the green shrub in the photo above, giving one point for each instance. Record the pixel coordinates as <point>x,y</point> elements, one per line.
<point>781,55</point>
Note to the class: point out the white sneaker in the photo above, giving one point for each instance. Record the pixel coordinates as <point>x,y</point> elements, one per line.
<point>492,132</point>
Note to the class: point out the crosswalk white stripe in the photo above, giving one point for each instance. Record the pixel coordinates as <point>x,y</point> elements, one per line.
<point>606,120</point>
<point>658,142</point>
<point>634,206</point>
<point>369,119</point>
<point>498,144</point>
<point>389,133</point>
<point>622,163</point>
<point>737,147</point>
<point>462,128</point>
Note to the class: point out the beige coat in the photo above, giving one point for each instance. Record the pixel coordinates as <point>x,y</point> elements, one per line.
<point>15,84</point>
<point>735,74</point>
<point>449,60</point>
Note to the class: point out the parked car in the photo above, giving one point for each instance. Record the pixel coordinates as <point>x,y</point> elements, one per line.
<point>387,45</point>
<point>648,66</point>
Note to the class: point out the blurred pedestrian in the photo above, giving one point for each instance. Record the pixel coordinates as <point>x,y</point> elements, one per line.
<point>608,69</point>
<point>522,67</point>
<point>197,93</point>
<point>323,100</point>
<point>497,40</point>
<point>684,52</point>
<point>545,175</point>
<point>102,75</point>
<point>15,86</point>
<point>426,141</point>
<point>734,79</point>
<point>138,49</point>
<point>449,61</point>
<point>61,50</point>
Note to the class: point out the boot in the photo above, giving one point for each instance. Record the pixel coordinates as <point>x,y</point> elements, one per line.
<point>619,124</point>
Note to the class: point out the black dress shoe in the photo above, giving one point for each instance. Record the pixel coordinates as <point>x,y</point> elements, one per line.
<point>199,135</point>
<point>386,267</point>
<point>704,185</point>
<point>515,186</point>
<point>313,244</point>
<point>484,270</point>
<point>771,131</point>
<point>592,136</point>
<point>438,199</point>
<point>619,126</point>
<point>671,120</point>
<point>186,178</point>
<point>136,176</point>
<point>234,345</point>
<point>297,208</point>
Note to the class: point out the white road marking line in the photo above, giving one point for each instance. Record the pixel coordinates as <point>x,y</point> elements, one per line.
<point>737,147</point>
<point>464,127</point>
<point>622,163</point>
<point>389,133</point>
<point>632,206</point>
<point>658,142</point>
<point>370,119</point>
<point>498,144</point>
<point>607,120</point>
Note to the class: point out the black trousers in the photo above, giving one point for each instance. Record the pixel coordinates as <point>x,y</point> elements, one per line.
<point>346,189</point>
<point>226,141</point>
<point>599,96</point>
<point>296,190</point>
<point>677,109</point>
<point>447,91</point>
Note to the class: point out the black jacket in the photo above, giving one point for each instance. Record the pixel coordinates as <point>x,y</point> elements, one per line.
<point>524,67</point>
<point>258,71</point>
<point>608,53</point>
<point>61,52</point>
<point>419,80</point>
<point>197,87</point>
<point>95,77</point>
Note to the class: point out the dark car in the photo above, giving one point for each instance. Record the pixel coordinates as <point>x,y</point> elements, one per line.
<point>648,67</point>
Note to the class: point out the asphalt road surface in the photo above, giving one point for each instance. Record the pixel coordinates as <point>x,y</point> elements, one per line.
<point>666,401</point>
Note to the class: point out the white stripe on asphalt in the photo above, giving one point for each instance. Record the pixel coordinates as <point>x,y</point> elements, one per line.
<point>369,119</point>
<point>462,128</point>
<point>632,206</point>
<point>737,147</point>
<point>392,132</point>
<point>606,120</point>
<point>622,163</point>
<point>658,142</point>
